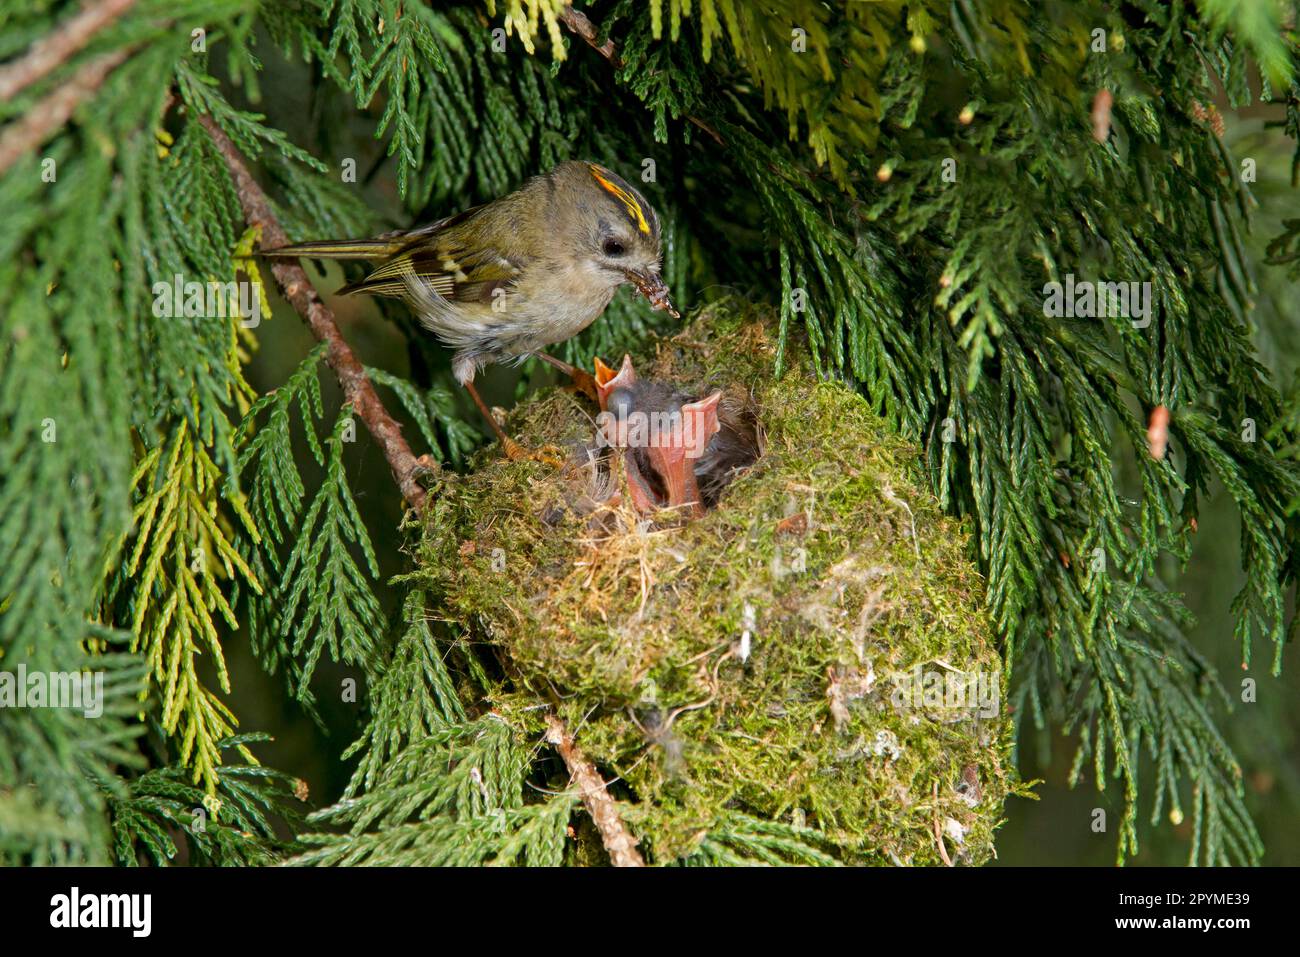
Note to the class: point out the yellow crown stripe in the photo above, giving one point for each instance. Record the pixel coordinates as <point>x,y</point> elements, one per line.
<point>626,198</point>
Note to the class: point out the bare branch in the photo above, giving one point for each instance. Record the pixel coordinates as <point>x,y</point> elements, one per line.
<point>358,390</point>
<point>49,53</point>
<point>620,844</point>
<point>579,23</point>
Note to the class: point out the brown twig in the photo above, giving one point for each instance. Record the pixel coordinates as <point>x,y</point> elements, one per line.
<point>938,830</point>
<point>39,123</point>
<point>359,391</point>
<point>49,53</point>
<point>580,24</point>
<point>298,289</point>
<point>618,841</point>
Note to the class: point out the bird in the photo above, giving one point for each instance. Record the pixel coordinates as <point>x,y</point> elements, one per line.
<point>680,450</point>
<point>502,281</point>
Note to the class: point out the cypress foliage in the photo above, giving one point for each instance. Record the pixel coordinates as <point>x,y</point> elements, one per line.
<point>900,180</point>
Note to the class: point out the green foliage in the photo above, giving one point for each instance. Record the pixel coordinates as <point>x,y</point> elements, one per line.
<point>171,581</point>
<point>434,414</point>
<point>533,835</point>
<point>323,599</point>
<point>233,826</point>
<point>1258,25</point>
<point>434,786</point>
<point>411,700</point>
<point>741,840</point>
<point>1287,430</point>
<point>60,771</point>
<point>329,604</point>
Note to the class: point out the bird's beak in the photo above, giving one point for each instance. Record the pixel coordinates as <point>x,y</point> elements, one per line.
<point>607,381</point>
<point>643,497</point>
<point>675,459</point>
<point>678,474</point>
<point>653,287</point>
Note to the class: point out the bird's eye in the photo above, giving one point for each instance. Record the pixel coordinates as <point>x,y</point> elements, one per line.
<point>614,248</point>
<point>620,402</point>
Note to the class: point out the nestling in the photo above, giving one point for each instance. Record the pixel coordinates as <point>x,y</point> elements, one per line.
<point>678,450</point>
<point>502,281</point>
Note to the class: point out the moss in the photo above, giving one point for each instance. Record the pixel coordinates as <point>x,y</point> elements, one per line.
<point>834,557</point>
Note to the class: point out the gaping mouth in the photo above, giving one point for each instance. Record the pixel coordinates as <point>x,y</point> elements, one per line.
<point>653,287</point>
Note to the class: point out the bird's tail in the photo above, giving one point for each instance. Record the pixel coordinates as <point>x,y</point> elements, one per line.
<point>340,249</point>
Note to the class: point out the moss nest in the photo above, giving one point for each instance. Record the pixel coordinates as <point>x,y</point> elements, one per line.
<point>806,673</point>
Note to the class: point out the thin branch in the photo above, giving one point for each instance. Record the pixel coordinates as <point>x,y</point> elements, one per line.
<point>47,54</point>
<point>40,122</point>
<point>293,281</point>
<point>620,844</point>
<point>359,391</point>
<point>580,24</point>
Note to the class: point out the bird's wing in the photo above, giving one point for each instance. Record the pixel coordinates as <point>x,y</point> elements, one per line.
<point>443,265</point>
<point>377,247</point>
<point>436,254</point>
<point>443,258</point>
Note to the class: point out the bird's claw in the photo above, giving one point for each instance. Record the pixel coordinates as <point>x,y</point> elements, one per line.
<point>585,383</point>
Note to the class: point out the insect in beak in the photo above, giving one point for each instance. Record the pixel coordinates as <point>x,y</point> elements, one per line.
<point>653,287</point>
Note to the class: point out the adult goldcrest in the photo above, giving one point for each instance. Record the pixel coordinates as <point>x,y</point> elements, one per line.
<point>502,281</point>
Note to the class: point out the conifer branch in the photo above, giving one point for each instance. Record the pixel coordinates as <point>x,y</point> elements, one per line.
<point>359,391</point>
<point>580,24</point>
<point>293,281</point>
<point>48,54</point>
<point>40,122</point>
<point>620,844</point>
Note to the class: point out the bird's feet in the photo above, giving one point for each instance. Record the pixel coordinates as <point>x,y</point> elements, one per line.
<point>547,455</point>
<point>585,383</point>
<point>582,380</point>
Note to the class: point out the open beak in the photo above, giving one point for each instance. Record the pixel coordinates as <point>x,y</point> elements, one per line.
<point>675,459</point>
<point>653,287</point>
<point>643,497</point>
<point>608,381</point>
<point>677,472</point>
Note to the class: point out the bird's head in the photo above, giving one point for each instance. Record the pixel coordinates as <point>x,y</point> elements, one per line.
<point>616,232</point>
<point>663,446</point>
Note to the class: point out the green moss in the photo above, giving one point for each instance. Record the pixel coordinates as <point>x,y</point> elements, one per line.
<point>636,636</point>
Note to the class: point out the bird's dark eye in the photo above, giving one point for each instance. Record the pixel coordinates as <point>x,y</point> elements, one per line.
<point>614,248</point>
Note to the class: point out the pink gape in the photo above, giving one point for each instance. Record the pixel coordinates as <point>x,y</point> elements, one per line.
<point>660,463</point>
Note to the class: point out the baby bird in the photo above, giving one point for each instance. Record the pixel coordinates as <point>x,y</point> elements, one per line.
<point>678,451</point>
<point>502,281</point>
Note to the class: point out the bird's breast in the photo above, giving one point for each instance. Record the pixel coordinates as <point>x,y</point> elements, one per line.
<point>558,308</point>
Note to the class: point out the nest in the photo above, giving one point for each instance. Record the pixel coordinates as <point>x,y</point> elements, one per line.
<point>803,673</point>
